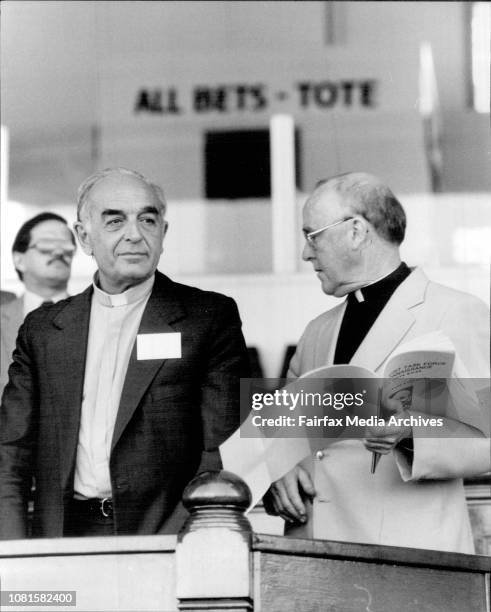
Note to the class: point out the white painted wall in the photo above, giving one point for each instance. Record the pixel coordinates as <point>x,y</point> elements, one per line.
<point>69,67</point>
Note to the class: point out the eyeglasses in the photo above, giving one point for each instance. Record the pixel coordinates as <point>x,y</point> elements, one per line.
<point>309,236</point>
<point>47,246</point>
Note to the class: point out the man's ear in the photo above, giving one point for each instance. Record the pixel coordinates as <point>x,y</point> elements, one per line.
<point>19,263</point>
<point>166,227</point>
<point>359,231</point>
<point>83,237</point>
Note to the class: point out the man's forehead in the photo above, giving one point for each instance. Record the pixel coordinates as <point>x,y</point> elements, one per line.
<point>50,228</point>
<point>123,189</point>
<point>126,194</point>
<point>323,205</point>
<point>122,204</point>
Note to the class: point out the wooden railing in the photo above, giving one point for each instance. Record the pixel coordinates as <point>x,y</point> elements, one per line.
<point>478,494</point>
<point>218,563</point>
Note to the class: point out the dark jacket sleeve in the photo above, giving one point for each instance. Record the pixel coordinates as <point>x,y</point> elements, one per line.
<point>227,363</point>
<point>18,433</point>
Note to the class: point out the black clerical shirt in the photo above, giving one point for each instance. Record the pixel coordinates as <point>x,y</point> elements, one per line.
<point>359,316</point>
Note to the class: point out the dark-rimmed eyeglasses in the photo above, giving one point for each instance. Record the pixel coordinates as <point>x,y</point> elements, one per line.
<point>47,246</point>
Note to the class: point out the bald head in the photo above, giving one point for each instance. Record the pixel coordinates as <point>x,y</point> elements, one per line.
<point>112,178</point>
<point>364,194</point>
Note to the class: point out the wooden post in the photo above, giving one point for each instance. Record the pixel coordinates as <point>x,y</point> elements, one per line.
<point>213,548</point>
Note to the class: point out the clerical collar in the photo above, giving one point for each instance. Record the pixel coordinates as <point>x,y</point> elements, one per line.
<point>383,288</point>
<point>130,296</point>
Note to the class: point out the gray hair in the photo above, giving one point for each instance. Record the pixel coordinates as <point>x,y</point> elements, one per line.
<point>93,179</point>
<point>367,196</point>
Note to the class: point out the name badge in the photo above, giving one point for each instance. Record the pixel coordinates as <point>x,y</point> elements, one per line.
<point>158,346</point>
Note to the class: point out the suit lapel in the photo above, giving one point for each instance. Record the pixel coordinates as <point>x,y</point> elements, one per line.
<point>69,363</point>
<point>393,323</point>
<point>163,308</point>
<point>326,342</point>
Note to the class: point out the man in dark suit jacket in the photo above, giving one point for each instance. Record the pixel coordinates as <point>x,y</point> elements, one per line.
<point>118,396</point>
<point>6,297</point>
<point>42,252</point>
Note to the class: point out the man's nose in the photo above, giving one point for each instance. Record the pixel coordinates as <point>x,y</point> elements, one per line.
<point>61,250</point>
<point>308,252</point>
<point>133,231</point>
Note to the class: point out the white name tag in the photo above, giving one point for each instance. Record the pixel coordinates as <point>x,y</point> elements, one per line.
<point>158,346</point>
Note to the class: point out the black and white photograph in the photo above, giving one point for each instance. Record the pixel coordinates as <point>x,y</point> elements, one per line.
<point>245,306</point>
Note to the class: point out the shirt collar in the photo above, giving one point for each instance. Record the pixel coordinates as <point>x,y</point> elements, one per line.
<point>382,288</point>
<point>33,300</point>
<point>130,296</point>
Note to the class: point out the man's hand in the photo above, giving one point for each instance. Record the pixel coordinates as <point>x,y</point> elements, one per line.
<point>285,496</point>
<point>383,439</point>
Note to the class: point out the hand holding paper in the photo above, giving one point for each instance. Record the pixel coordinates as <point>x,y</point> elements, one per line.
<point>381,440</point>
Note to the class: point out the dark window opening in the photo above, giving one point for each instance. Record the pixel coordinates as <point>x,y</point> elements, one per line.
<point>237,164</point>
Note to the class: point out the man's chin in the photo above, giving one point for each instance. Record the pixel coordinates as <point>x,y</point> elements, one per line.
<point>339,291</point>
<point>135,269</point>
<point>342,291</point>
<point>55,280</point>
<point>135,277</point>
<point>327,287</point>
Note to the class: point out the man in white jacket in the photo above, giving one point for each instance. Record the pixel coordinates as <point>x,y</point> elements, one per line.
<point>353,226</point>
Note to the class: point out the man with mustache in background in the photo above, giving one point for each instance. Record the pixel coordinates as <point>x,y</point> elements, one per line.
<point>42,252</point>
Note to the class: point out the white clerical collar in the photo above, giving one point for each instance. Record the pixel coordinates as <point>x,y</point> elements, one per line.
<point>359,295</point>
<point>130,296</point>
<point>33,300</point>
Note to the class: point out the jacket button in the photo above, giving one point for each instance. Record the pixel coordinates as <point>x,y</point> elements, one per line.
<point>319,455</point>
